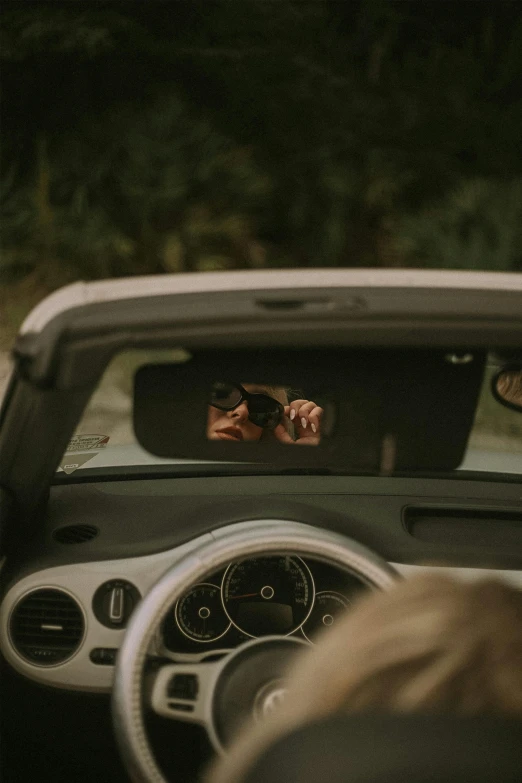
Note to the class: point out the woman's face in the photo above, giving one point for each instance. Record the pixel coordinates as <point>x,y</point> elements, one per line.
<point>234,425</point>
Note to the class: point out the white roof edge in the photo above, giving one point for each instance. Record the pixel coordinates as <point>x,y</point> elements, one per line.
<point>80,293</point>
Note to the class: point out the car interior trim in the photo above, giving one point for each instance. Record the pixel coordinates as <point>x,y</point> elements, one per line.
<point>82,580</point>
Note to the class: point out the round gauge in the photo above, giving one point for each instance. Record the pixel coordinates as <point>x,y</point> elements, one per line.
<point>268,595</point>
<point>327,609</point>
<point>199,613</point>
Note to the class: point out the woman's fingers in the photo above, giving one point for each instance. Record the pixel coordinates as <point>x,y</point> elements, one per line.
<point>314,417</point>
<point>282,435</point>
<point>299,412</point>
<point>305,414</point>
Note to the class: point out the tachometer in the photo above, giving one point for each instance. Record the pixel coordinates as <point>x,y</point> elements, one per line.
<point>199,613</point>
<point>268,595</point>
<point>328,606</point>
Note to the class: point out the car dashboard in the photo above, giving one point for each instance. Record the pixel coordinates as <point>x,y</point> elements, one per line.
<point>105,544</point>
<point>64,625</point>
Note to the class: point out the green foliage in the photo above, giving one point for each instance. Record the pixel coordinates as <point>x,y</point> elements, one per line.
<point>66,28</point>
<point>120,193</point>
<point>18,217</point>
<point>149,137</point>
<point>476,226</point>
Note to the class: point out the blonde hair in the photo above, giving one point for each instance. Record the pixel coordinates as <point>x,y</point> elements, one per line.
<point>279,393</point>
<point>429,644</point>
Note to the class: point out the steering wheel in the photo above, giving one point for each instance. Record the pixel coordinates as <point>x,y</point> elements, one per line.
<point>245,683</point>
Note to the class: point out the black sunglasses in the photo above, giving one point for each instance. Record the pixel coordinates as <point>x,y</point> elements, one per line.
<point>263,410</point>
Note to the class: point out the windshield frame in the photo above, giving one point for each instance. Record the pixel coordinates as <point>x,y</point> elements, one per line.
<point>68,340</point>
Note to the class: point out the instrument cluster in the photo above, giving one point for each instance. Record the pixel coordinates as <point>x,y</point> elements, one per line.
<point>260,596</point>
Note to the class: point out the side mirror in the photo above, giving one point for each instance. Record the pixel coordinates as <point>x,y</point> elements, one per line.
<point>506,386</point>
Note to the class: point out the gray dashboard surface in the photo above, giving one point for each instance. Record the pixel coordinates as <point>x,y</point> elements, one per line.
<point>141,517</point>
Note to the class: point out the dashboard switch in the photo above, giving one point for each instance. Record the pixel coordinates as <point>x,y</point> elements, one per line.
<point>116,605</point>
<point>104,656</point>
<point>114,602</point>
<point>180,707</point>
<point>183,686</point>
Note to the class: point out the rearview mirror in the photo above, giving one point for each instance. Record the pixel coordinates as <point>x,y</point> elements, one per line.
<point>507,386</point>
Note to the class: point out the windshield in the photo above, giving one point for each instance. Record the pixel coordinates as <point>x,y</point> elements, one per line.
<point>105,438</point>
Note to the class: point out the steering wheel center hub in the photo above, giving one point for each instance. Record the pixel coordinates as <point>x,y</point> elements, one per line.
<point>251,685</point>
<point>269,699</point>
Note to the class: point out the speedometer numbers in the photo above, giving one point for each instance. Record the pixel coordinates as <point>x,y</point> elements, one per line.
<point>199,614</point>
<point>268,595</point>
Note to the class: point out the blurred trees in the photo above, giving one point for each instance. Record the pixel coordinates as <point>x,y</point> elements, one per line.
<point>149,137</point>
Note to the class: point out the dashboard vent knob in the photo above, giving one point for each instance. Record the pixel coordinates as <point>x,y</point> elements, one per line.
<point>75,534</point>
<point>46,627</point>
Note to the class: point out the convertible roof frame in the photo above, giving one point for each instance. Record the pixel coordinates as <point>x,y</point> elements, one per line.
<point>294,281</point>
<point>91,321</point>
<point>67,341</point>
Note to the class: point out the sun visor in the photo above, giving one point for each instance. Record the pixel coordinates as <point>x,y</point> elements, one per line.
<point>383,410</point>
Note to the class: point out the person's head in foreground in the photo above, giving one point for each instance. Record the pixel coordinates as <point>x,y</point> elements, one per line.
<point>430,644</point>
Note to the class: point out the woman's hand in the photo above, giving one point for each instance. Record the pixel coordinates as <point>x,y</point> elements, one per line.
<point>306,418</point>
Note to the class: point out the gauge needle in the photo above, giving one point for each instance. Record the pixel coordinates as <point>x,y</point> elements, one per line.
<point>246,595</point>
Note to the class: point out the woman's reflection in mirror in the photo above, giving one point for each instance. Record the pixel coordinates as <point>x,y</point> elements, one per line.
<point>254,412</point>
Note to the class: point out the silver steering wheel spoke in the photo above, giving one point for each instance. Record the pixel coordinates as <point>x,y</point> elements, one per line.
<point>184,691</point>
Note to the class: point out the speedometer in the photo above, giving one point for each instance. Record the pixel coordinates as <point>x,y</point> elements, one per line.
<point>268,595</point>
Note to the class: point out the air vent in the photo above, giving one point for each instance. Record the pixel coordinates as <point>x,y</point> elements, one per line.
<point>46,627</point>
<point>75,534</point>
